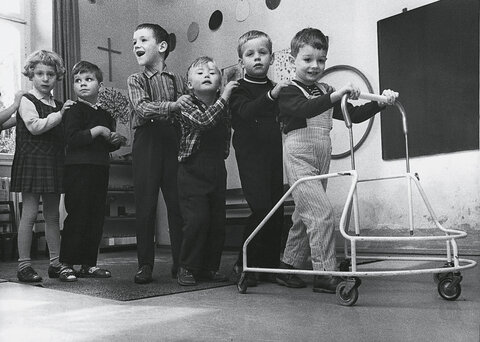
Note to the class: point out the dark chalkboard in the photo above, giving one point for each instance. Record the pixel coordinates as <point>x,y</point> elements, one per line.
<point>430,56</point>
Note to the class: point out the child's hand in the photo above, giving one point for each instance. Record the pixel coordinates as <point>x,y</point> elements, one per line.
<point>117,139</point>
<point>276,90</point>
<point>18,97</point>
<point>66,106</point>
<point>350,89</point>
<point>100,131</point>
<point>184,102</point>
<point>228,89</point>
<point>391,97</point>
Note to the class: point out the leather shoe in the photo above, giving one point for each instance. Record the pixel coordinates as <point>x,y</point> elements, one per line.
<point>28,275</point>
<point>289,280</point>
<point>144,275</point>
<point>185,277</point>
<point>325,284</point>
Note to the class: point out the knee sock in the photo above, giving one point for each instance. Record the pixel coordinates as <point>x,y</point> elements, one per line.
<point>52,226</point>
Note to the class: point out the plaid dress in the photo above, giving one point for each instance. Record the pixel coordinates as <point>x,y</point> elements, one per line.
<point>38,161</point>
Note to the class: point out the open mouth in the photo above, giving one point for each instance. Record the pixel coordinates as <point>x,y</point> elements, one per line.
<point>139,53</point>
<point>258,65</point>
<point>206,82</point>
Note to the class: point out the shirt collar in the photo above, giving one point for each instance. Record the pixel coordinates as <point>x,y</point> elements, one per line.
<point>151,71</point>
<point>40,96</point>
<point>256,80</point>
<point>94,106</point>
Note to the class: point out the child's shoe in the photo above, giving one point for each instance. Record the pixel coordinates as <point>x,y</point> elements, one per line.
<point>213,276</point>
<point>93,272</point>
<point>325,283</point>
<point>185,277</point>
<point>54,272</point>
<point>28,275</point>
<point>67,274</point>
<point>289,280</point>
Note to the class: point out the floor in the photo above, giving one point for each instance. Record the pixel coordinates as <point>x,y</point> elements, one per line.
<point>401,308</point>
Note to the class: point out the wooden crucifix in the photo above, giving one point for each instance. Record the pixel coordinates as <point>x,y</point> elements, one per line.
<point>110,51</point>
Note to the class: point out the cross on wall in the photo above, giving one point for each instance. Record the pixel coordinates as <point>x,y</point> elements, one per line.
<point>110,51</point>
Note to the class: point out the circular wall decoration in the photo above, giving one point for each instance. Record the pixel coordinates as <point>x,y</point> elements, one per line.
<point>216,20</point>
<point>192,32</point>
<point>172,42</point>
<point>337,76</point>
<point>272,4</point>
<point>243,10</point>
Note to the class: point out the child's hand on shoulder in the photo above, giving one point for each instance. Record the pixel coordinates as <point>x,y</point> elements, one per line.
<point>276,90</point>
<point>391,97</point>
<point>18,97</point>
<point>184,102</point>
<point>66,105</point>
<point>227,91</point>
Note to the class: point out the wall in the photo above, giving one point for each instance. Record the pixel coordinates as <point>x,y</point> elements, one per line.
<point>451,180</point>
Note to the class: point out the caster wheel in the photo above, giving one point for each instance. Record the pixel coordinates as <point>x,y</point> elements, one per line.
<point>346,298</point>
<point>448,290</point>
<point>242,284</point>
<point>437,277</point>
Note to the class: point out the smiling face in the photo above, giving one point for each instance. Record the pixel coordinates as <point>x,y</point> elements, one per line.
<point>204,78</point>
<point>44,78</point>
<point>309,64</point>
<point>256,57</point>
<point>146,49</point>
<point>86,86</point>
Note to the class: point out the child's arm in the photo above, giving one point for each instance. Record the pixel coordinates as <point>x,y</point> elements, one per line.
<point>248,108</point>
<point>34,123</point>
<point>6,119</point>
<point>144,107</point>
<point>203,119</point>
<point>292,102</point>
<point>364,112</point>
<point>75,133</point>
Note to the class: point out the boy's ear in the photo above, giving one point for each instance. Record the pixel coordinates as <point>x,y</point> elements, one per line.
<point>272,58</point>
<point>240,61</point>
<point>189,85</point>
<point>163,47</point>
<point>101,85</point>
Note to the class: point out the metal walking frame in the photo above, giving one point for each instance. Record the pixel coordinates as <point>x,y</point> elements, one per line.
<point>447,277</point>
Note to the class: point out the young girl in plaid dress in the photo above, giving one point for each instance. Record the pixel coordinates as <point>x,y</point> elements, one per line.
<point>37,169</point>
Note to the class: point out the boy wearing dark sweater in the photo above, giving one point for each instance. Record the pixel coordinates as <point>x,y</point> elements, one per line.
<point>90,136</point>
<point>258,149</point>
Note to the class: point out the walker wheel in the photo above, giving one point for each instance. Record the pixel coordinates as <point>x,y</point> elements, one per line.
<point>344,297</point>
<point>448,290</point>
<point>242,284</point>
<point>439,276</point>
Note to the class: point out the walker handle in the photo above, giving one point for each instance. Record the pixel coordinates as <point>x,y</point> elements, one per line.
<point>372,97</point>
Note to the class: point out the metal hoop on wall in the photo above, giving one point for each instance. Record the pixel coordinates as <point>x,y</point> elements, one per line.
<point>336,68</point>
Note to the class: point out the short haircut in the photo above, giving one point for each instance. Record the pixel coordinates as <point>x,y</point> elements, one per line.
<point>204,60</point>
<point>160,34</point>
<point>308,36</point>
<point>44,57</point>
<point>253,34</point>
<point>84,66</point>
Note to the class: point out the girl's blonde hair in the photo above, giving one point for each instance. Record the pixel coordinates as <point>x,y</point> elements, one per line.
<point>44,57</point>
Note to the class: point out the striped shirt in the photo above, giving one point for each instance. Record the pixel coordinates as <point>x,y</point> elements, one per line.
<point>198,119</point>
<point>152,95</point>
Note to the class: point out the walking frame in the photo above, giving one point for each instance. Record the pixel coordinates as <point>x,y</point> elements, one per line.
<point>447,277</point>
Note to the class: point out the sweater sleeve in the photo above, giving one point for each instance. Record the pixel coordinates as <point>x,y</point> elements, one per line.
<point>293,103</point>
<point>33,122</point>
<point>248,108</point>
<point>357,113</point>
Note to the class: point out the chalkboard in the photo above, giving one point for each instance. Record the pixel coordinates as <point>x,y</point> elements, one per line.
<point>430,55</point>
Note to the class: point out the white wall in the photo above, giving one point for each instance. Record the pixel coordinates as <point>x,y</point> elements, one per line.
<point>451,180</point>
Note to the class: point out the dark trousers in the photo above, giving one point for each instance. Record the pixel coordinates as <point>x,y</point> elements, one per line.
<point>154,151</point>
<point>85,200</point>
<point>202,183</point>
<point>260,166</point>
